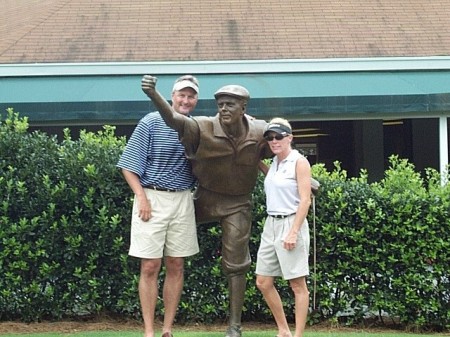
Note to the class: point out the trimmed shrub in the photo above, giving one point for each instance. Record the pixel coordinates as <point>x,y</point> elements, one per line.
<point>64,225</point>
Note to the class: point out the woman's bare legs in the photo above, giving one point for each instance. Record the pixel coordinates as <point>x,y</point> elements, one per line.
<point>301,293</point>
<point>266,285</point>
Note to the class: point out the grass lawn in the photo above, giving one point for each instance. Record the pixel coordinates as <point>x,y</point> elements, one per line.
<point>246,333</point>
<point>112,328</point>
<point>217,334</point>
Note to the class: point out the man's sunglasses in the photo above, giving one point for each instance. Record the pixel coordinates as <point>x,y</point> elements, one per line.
<point>277,137</point>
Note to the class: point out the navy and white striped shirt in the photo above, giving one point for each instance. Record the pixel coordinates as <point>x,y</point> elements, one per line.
<point>155,154</point>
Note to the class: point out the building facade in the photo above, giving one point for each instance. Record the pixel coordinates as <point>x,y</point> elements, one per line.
<point>359,80</point>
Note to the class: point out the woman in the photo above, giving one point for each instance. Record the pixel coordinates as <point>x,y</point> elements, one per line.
<point>284,244</point>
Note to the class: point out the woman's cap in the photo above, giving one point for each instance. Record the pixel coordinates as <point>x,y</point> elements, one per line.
<point>278,128</point>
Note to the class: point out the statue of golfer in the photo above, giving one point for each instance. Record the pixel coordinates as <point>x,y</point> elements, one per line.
<point>225,153</point>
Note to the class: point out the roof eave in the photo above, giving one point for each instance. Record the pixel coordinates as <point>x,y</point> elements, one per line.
<point>227,67</point>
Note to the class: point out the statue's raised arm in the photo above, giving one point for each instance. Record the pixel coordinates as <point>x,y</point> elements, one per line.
<point>170,116</point>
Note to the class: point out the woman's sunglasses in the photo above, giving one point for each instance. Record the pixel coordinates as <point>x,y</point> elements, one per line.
<point>277,137</point>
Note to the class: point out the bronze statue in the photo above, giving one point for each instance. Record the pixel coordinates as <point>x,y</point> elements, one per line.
<point>225,152</point>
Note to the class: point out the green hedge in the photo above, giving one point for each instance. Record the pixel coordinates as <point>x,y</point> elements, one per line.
<point>382,248</point>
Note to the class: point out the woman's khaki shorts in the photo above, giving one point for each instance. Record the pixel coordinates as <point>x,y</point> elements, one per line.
<point>273,259</point>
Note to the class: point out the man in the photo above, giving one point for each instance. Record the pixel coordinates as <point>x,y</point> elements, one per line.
<point>225,152</point>
<point>163,220</point>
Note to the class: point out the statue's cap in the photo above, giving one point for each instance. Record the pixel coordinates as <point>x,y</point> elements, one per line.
<point>233,90</point>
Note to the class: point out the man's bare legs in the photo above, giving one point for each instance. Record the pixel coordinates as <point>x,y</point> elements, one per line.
<point>148,291</point>
<point>173,286</point>
<point>266,285</point>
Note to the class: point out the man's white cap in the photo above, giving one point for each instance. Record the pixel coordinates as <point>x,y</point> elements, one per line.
<point>185,84</point>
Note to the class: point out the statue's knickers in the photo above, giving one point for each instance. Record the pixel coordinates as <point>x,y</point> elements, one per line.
<point>235,216</point>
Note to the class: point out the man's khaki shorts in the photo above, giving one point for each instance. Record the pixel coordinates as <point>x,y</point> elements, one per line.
<point>171,231</point>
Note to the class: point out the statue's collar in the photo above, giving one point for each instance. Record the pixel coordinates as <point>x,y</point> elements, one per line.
<point>252,132</point>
